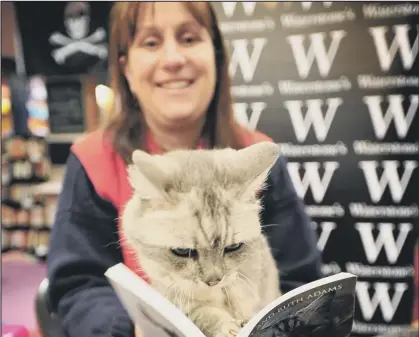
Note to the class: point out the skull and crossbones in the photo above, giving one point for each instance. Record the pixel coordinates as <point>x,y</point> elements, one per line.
<point>76,21</point>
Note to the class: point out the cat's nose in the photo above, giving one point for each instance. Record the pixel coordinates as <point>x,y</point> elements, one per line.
<point>213,281</point>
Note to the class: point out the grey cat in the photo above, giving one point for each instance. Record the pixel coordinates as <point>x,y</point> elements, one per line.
<point>193,220</point>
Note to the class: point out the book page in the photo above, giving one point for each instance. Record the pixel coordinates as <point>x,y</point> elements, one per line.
<point>320,308</point>
<point>140,300</point>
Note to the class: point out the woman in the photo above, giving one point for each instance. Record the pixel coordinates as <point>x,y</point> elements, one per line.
<point>169,73</point>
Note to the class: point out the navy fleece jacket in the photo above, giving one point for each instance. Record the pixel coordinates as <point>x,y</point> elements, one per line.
<point>84,243</point>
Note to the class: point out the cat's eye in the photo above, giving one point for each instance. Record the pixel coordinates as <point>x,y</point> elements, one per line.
<point>233,247</point>
<point>184,252</point>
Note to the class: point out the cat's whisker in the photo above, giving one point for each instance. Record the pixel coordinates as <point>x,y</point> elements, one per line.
<point>248,244</point>
<point>240,295</point>
<point>182,298</point>
<point>186,297</point>
<point>177,296</point>
<point>192,299</point>
<point>238,298</point>
<point>171,293</point>
<point>117,243</point>
<point>167,291</point>
<point>249,283</point>
<point>271,225</point>
<point>225,290</point>
<point>189,299</point>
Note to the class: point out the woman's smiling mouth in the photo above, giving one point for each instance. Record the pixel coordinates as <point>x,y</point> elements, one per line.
<point>179,84</point>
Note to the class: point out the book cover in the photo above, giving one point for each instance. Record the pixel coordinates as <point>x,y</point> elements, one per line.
<point>321,308</point>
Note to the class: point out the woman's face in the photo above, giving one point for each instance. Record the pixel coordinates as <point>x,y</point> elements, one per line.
<point>171,66</point>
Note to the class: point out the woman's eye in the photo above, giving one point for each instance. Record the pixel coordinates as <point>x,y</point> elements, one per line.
<point>184,252</point>
<point>150,43</point>
<point>233,247</point>
<point>189,39</point>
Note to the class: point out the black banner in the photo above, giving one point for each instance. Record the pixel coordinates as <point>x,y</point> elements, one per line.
<point>66,104</point>
<point>336,84</point>
<point>61,38</point>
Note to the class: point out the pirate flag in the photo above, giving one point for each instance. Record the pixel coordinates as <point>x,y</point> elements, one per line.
<point>63,38</point>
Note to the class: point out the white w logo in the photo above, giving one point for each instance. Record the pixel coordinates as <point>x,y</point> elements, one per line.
<point>306,5</point>
<point>240,113</point>
<point>317,50</point>
<point>386,53</point>
<point>311,178</point>
<point>395,111</point>
<point>321,124</point>
<point>381,298</point>
<point>229,7</point>
<point>385,238</point>
<point>390,177</point>
<point>240,57</point>
<point>326,228</point>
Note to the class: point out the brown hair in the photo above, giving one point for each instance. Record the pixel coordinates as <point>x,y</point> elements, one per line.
<point>126,125</point>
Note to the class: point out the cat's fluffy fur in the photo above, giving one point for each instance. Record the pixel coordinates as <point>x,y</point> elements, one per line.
<point>204,200</point>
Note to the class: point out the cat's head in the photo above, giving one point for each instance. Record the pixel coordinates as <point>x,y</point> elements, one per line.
<point>194,215</point>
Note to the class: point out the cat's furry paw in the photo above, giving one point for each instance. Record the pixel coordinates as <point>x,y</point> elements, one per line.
<point>230,328</point>
<point>241,323</point>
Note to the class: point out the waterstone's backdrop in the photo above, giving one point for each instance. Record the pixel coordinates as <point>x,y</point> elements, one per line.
<point>337,85</point>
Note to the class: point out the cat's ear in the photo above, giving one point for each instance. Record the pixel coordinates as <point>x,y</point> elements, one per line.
<point>256,162</point>
<point>147,175</point>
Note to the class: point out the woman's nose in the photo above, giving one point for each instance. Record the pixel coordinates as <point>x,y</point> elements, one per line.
<point>173,56</point>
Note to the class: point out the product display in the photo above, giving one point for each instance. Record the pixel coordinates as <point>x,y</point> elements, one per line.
<point>27,216</point>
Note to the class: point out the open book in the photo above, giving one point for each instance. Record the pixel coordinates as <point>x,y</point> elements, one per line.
<point>321,308</point>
